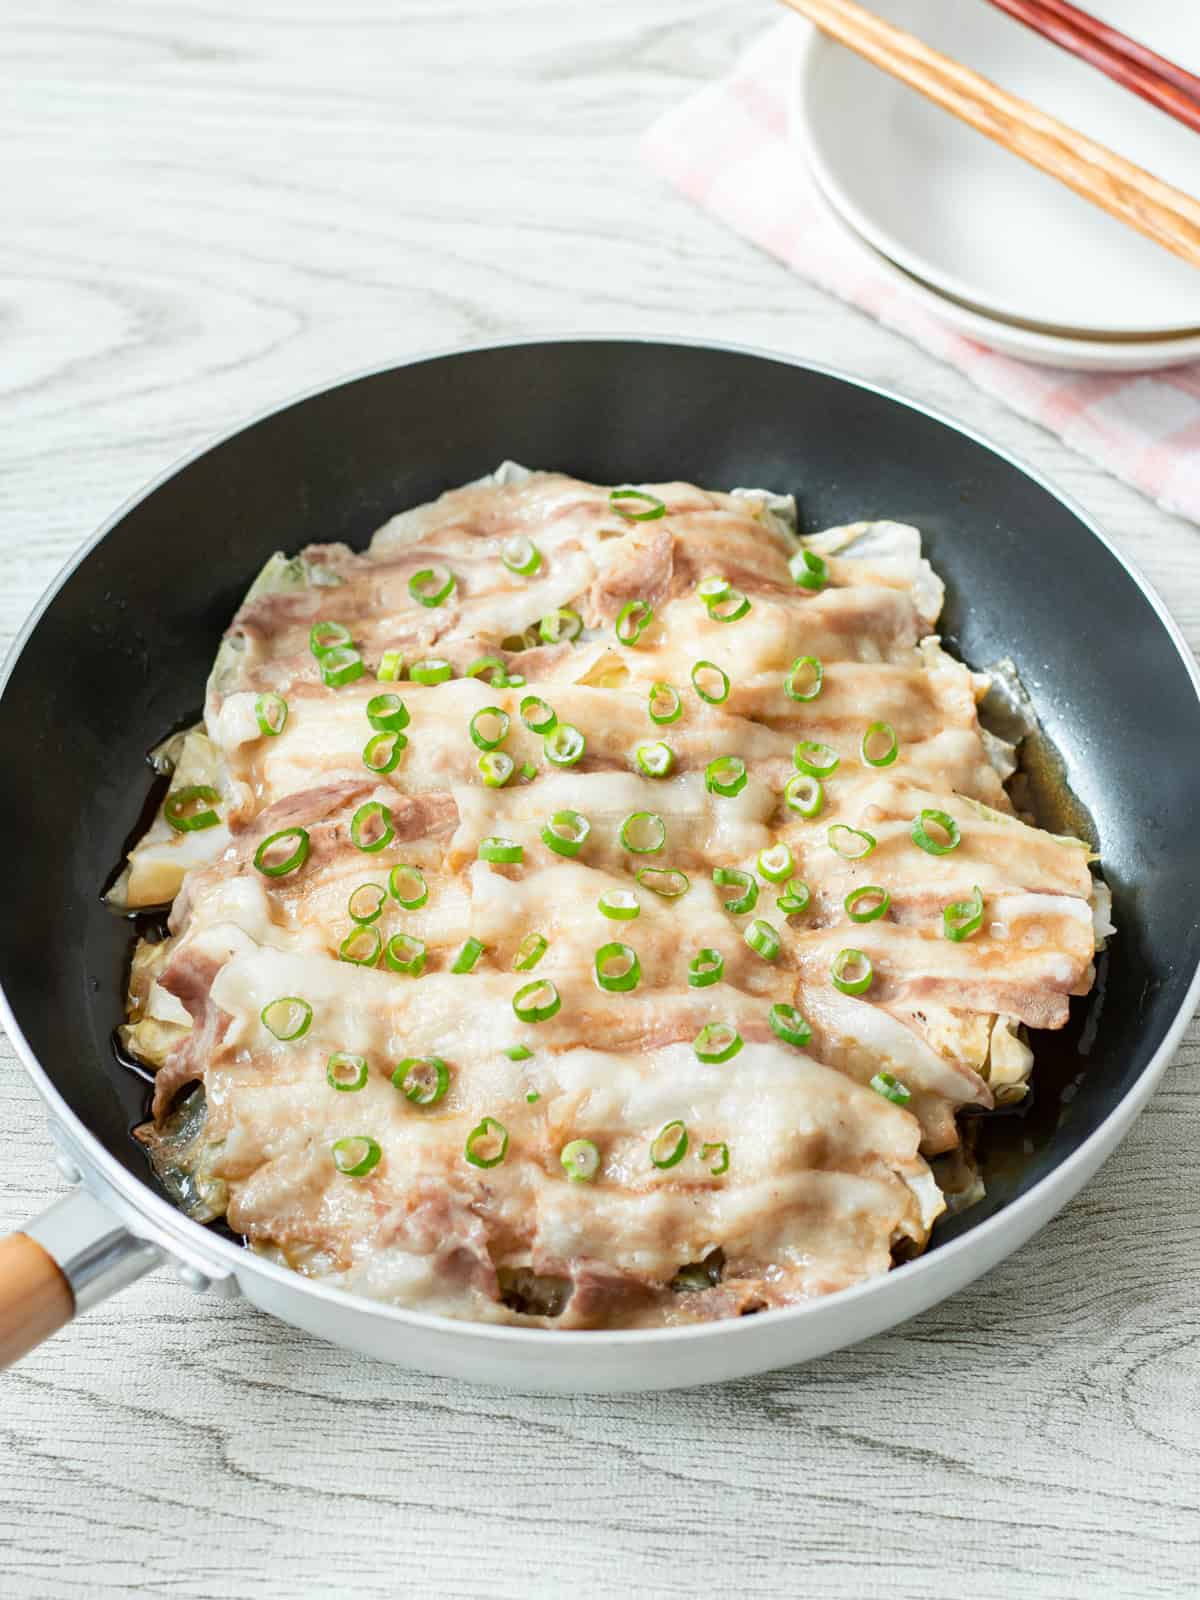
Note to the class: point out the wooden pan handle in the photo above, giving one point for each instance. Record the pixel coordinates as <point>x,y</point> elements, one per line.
<point>35,1297</point>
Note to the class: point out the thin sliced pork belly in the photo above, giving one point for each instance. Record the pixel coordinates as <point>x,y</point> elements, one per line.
<point>786,1170</point>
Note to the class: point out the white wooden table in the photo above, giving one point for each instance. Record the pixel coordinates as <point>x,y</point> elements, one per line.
<point>208,207</point>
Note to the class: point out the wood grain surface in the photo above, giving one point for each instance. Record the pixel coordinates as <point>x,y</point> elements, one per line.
<point>206,208</point>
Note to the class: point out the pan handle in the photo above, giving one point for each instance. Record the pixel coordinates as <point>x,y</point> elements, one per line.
<point>71,1257</point>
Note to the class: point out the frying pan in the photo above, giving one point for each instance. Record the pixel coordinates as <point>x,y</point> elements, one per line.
<point>117,654</point>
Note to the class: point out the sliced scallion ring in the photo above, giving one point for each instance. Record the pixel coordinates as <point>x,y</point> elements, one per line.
<point>432,586</point>
<point>487,1143</point>
<point>726,776</point>
<point>717,1042</point>
<point>382,752</point>
<point>710,682</point>
<point>537,1001</point>
<point>714,587</point>
<point>721,1151</point>
<point>655,760</point>
<point>804,680</point>
<point>669,1145</point>
<point>938,819</point>
<point>361,946</point>
<point>852,972</point>
<point>530,951</point>
<point>776,863</point>
<point>625,501</point>
<point>518,1052</point>
<point>643,833</point>
<point>271,714</point>
<point>560,626</point>
<point>496,767</point>
<point>371,827</point>
<point>273,861</point>
<point>731,606</point>
<point>390,668</point>
<point>580,1160</point>
<point>466,958</point>
<point>566,833</point>
<point>634,617</point>
<point>880,746</point>
<point>407,886</point>
<point>505,851</point>
<point>795,897</point>
<point>189,810</point>
<point>434,669</point>
<point>735,878</point>
<point>527,772</point>
<point>664,704</point>
<point>489,727</point>
<point>808,570</point>
<point>852,844</point>
<point>423,1080</point>
<point>617,968</point>
<point>763,939</point>
<point>345,1072</point>
<point>493,669</point>
<point>867,904</point>
<point>341,666</point>
<point>804,794</point>
<point>619,905</point>
<point>963,918</point>
<point>355,1156</point>
<point>891,1088</point>
<point>815,759</point>
<point>403,953</point>
<point>705,968</point>
<point>537,714</point>
<point>564,745</point>
<point>387,713</point>
<point>521,555</point>
<point>288,1018</point>
<point>366,903</point>
<point>326,636</point>
<point>669,882</point>
<point>787,1024</point>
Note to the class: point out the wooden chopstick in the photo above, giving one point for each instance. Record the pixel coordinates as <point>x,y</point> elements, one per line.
<point>1164,84</point>
<point>1135,197</point>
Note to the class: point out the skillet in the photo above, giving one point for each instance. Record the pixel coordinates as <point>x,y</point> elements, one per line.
<point>117,652</point>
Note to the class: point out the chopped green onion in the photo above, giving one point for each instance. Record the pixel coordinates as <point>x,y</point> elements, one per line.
<point>434,669</point>
<point>713,588</point>
<point>671,711</point>
<point>356,1156</point>
<point>407,886</point>
<point>271,713</point>
<point>564,745</point>
<point>487,1143</point>
<point>725,776</point>
<point>518,1052</point>
<point>721,1151</point>
<point>787,1024</point>
<point>530,951</point>
<point>537,714</point>
<point>817,760</point>
<point>345,1072</point>
<point>777,863</point>
<point>655,760</point>
<point>527,772</point>
<point>891,1088</point>
<point>619,905</point>
<point>364,823</point>
<point>643,833</point>
<point>669,882</point>
<point>669,1145</point>
<point>341,666</point>
<point>326,636</point>
<point>808,570</point>
<point>487,734</point>
<point>496,767</point>
<point>705,968</point>
<point>366,903</point>
<point>870,892</point>
<point>763,940</point>
<point>806,671</point>
<point>533,1096</point>
<point>289,863</point>
<point>963,918</point>
<point>842,963</point>
<point>514,680</point>
<point>852,844</point>
<point>405,954</point>
<point>494,848</point>
<point>432,586</point>
<point>537,1001</point>
<point>634,617</point>
<point>422,1079</point>
<point>361,946</point>
<point>382,752</point>
<point>561,625</point>
<point>387,713</point>
<point>941,819</point>
<point>580,1160</point>
<point>805,794</point>
<point>705,670</point>
<point>617,968</point>
<point>717,1042</point>
<point>620,499</point>
<point>566,833</point>
<point>521,555</point>
<point>178,808</point>
<point>795,897</point>
<point>885,757</point>
<point>735,878</point>
<point>390,668</point>
<point>467,956</point>
<point>732,606</point>
<point>483,665</point>
<point>287,1018</point>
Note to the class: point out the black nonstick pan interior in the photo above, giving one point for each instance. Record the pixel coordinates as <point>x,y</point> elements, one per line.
<point>121,653</point>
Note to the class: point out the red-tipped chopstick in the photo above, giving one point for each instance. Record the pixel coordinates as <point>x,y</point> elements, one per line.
<point>1134,66</point>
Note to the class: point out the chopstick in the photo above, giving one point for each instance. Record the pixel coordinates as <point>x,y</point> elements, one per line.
<point>1135,197</point>
<point>1134,66</point>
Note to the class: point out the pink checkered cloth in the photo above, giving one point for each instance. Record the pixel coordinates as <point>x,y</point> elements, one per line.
<point>727,149</point>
